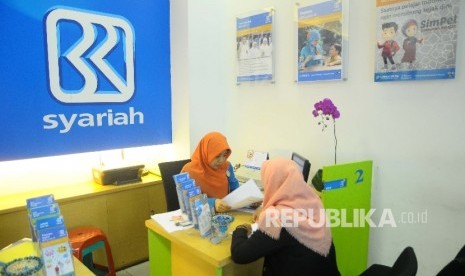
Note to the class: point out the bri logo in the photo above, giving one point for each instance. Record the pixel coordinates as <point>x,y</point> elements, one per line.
<point>99,37</point>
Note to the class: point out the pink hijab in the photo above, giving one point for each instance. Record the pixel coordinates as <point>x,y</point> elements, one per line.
<point>289,202</point>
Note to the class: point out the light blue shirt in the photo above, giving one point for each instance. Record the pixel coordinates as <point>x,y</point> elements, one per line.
<point>233,184</point>
<point>311,51</point>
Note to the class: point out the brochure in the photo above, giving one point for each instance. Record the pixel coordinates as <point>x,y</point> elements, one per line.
<point>247,194</point>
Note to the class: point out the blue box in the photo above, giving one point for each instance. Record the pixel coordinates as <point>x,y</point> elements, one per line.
<point>40,201</point>
<point>50,234</point>
<point>178,178</point>
<point>49,222</point>
<point>47,210</point>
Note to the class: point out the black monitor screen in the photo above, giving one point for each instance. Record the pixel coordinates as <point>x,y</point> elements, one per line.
<point>303,163</point>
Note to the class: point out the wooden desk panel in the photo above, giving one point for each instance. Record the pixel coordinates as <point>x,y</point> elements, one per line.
<point>85,211</point>
<point>14,226</point>
<point>120,211</point>
<point>12,203</point>
<point>126,229</point>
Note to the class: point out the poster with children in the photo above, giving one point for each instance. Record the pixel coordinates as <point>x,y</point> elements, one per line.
<point>321,45</point>
<point>254,47</point>
<point>416,39</point>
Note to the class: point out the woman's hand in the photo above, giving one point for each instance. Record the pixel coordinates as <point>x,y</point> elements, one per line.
<point>221,206</point>
<point>247,227</point>
<point>256,214</point>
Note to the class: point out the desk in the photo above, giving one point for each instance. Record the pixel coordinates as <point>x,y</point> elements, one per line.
<point>27,249</point>
<point>187,253</point>
<point>120,211</point>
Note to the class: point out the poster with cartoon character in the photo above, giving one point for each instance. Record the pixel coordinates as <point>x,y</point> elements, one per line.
<point>320,41</point>
<point>416,39</point>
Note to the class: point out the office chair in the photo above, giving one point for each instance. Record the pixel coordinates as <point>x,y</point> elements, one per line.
<point>167,170</point>
<point>405,265</point>
<point>456,266</point>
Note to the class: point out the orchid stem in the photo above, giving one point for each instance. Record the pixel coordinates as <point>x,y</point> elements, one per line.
<point>335,142</point>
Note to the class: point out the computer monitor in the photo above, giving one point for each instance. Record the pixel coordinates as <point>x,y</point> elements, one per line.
<point>303,163</point>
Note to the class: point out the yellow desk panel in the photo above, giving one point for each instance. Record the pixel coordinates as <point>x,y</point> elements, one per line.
<point>187,253</point>
<point>70,193</point>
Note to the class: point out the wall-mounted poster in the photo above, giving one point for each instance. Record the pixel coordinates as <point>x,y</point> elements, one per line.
<point>255,47</point>
<point>321,41</point>
<point>81,76</point>
<point>417,39</point>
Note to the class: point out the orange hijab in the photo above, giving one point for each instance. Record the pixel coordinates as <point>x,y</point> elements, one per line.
<point>291,203</point>
<point>212,182</point>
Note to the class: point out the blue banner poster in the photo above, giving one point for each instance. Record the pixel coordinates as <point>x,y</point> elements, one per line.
<point>80,76</point>
<point>254,47</point>
<point>417,40</point>
<point>321,46</point>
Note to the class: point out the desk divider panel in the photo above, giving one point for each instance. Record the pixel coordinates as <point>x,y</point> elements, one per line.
<point>159,254</point>
<point>346,198</point>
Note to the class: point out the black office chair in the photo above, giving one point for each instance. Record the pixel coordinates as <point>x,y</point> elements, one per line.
<point>456,266</point>
<point>405,265</point>
<point>167,170</point>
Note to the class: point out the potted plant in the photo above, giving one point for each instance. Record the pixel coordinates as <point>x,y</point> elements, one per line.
<point>326,112</point>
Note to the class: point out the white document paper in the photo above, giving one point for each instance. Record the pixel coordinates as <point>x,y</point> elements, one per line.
<point>247,193</point>
<point>255,159</point>
<point>173,221</point>
<point>247,209</point>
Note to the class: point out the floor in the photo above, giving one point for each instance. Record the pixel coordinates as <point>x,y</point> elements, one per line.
<point>141,269</point>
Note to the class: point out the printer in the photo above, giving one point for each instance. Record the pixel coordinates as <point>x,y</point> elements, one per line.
<point>117,175</point>
<point>243,174</point>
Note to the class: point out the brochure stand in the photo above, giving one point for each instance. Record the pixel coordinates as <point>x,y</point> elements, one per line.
<point>50,236</point>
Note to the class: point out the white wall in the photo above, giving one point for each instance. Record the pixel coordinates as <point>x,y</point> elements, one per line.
<point>209,79</point>
<point>179,78</point>
<point>413,131</point>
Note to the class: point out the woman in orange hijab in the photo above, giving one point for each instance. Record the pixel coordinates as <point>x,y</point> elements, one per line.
<point>210,169</point>
<point>292,232</point>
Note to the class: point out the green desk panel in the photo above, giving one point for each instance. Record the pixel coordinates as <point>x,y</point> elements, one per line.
<point>346,197</point>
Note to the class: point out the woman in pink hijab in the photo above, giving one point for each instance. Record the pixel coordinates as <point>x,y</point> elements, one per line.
<point>292,233</point>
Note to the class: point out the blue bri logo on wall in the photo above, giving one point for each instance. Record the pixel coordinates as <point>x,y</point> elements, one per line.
<point>83,77</point>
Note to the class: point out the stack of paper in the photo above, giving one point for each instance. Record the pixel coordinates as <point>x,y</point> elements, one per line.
<point>173,221</point>
<point>247,194</point>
